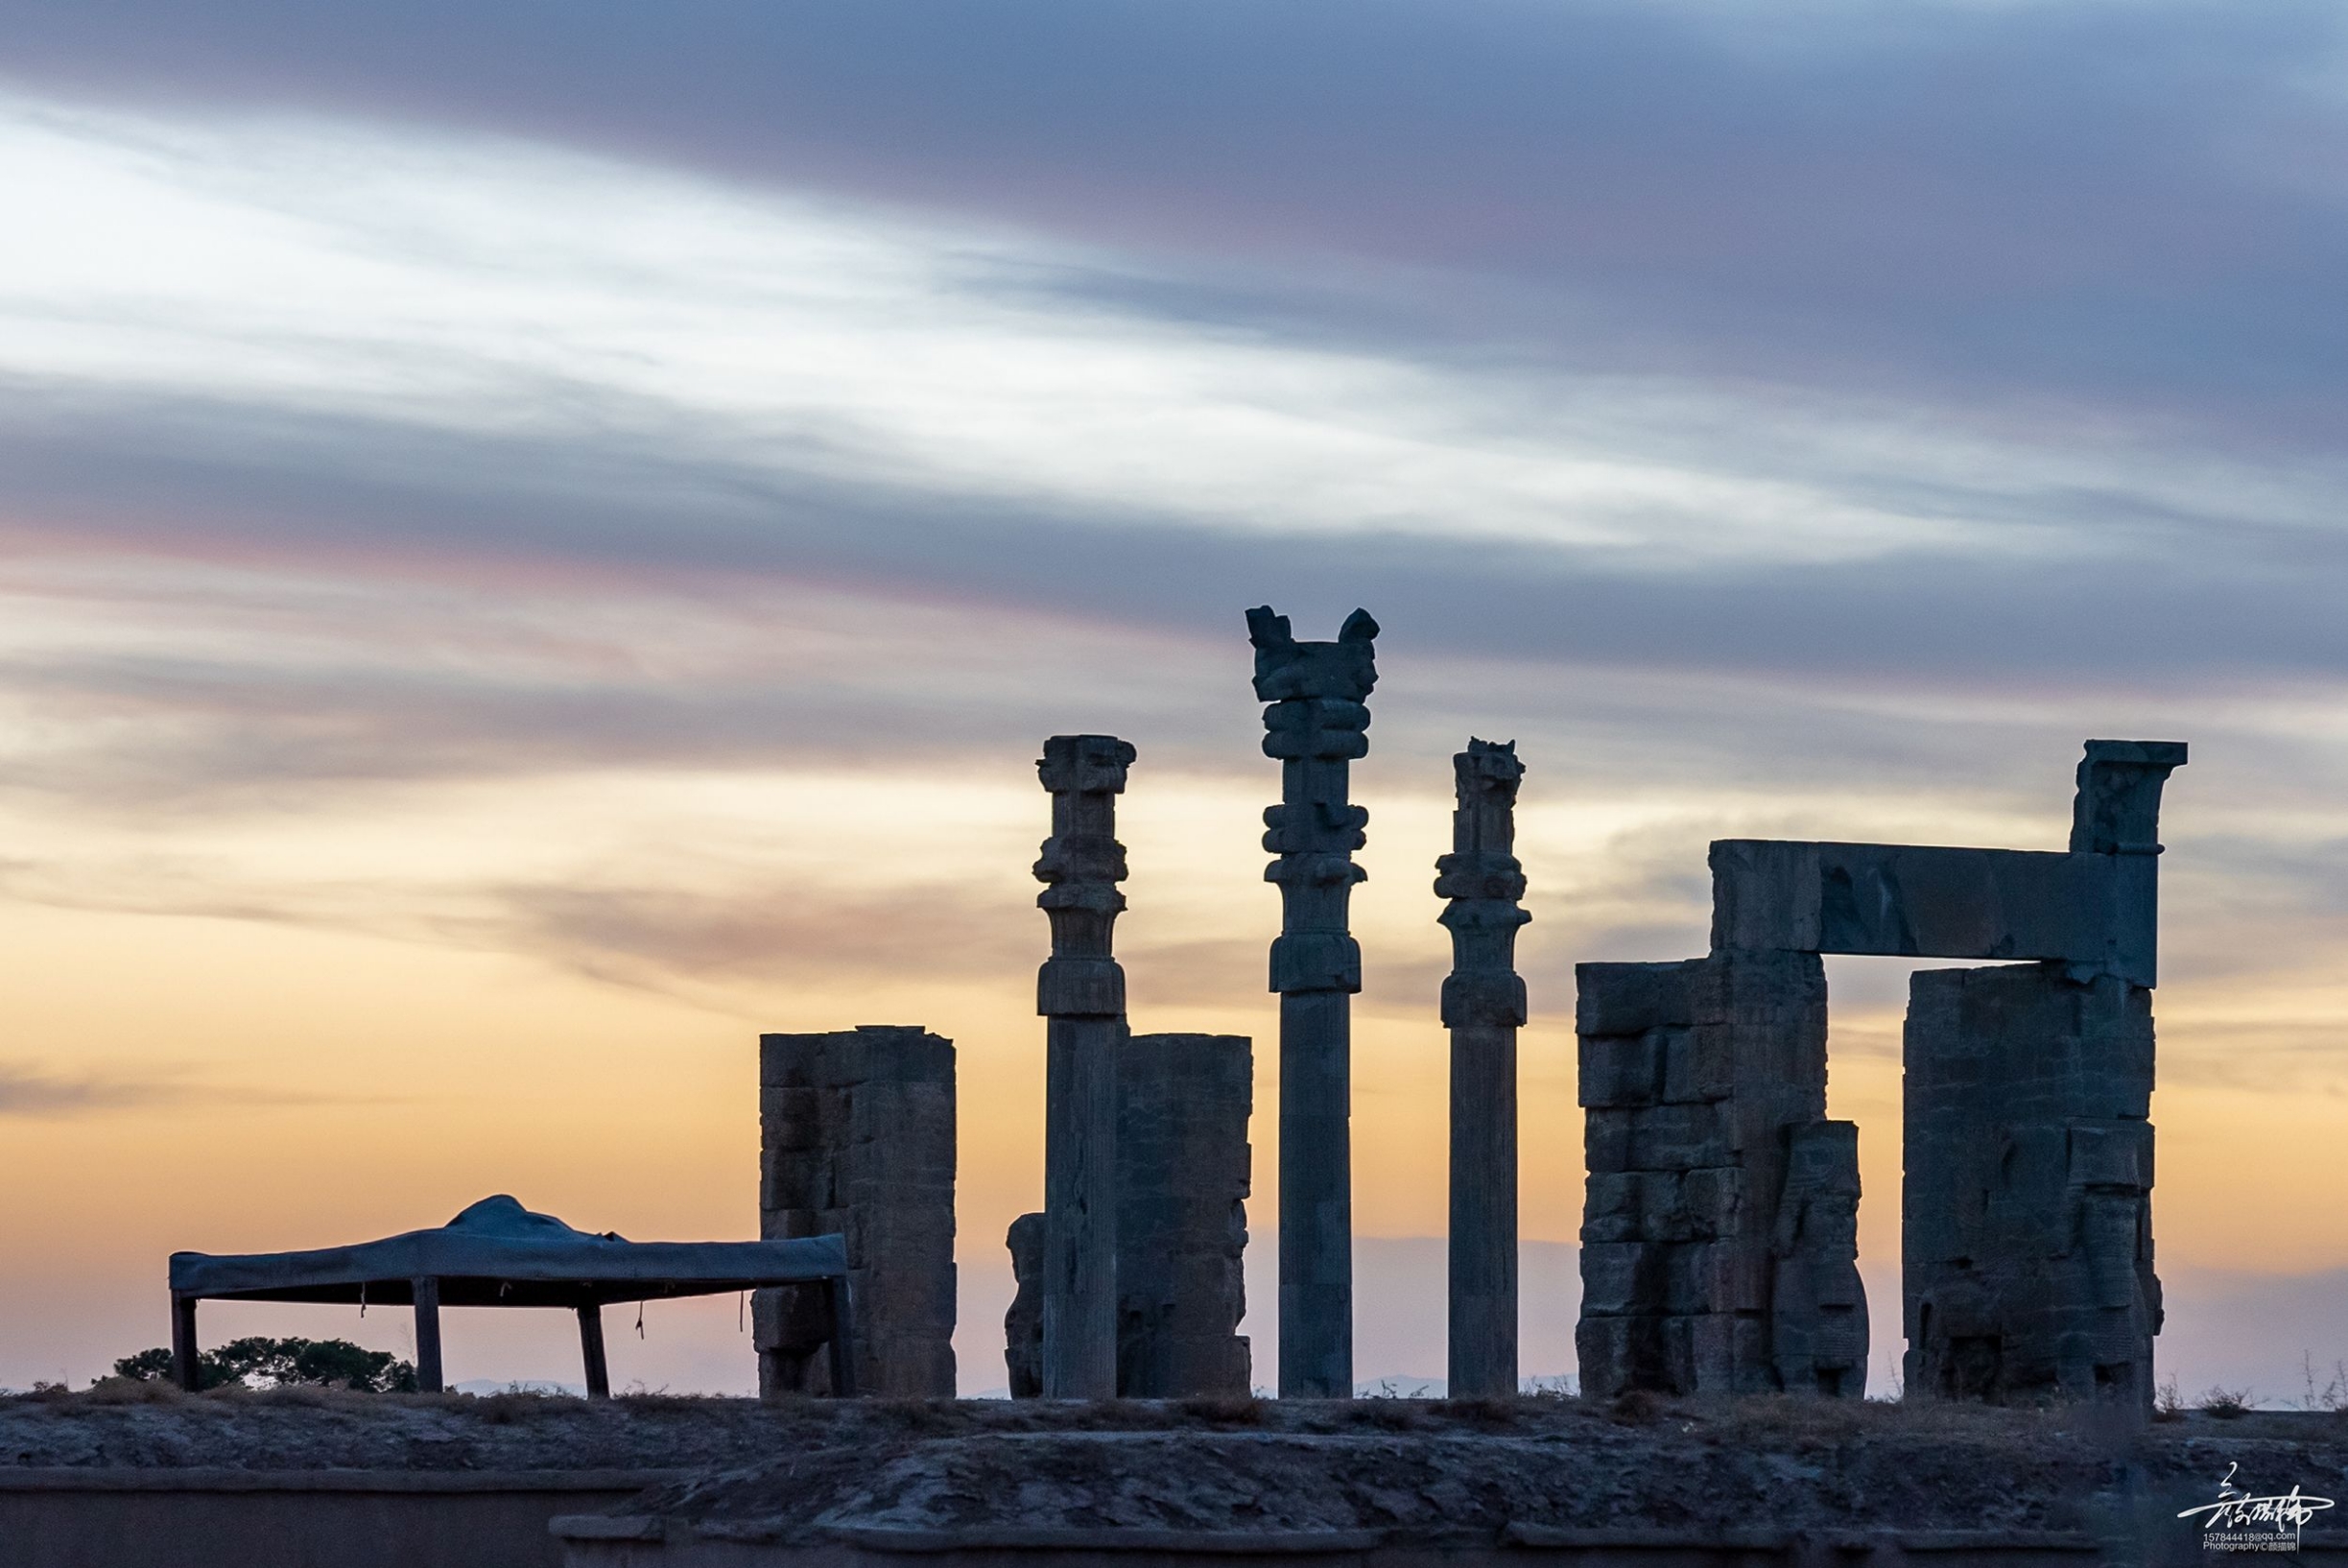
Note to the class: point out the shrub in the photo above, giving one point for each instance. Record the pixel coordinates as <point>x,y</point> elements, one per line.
<point>2225,1403</point>
<point>258,1361</point>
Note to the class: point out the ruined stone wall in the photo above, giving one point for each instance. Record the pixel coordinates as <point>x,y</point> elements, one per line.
<point>2027,1238</point>
<point>1183,1176</point>
<point>1695,1078</point>
<point>856,1137</point>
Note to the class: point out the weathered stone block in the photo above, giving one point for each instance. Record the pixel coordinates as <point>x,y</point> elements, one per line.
<point>1716,1276</point>
<point>1679,1137</point>
<point>1699,1353</point>
<point>1612,1210</point>
<point>1631,998</point>
<point>1616,1353</point>
<point>1662,1218</point>
<point>1699,1063</point>
<point>1606,1139</point>
<point>1614,1279</point>
<point>1620,1070</point>
<point>1714,1199</point>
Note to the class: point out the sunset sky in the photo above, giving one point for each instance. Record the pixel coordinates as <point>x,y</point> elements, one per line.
<point>537,541</point>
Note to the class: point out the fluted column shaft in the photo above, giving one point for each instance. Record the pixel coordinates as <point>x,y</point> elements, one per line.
<point>1081,992</point>
<point>1314,725</point>
<point>1484,1006</point>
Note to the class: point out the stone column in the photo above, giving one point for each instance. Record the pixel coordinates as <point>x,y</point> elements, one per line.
<point>1182,1170</point>
<point>1315,727</point>
<point>1082,992</point>
<point>1484,1006</point>
<point>856,1139</point>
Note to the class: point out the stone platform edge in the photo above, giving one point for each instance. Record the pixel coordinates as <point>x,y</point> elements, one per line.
<point>1308,1542</point>
<point>193,1479</point>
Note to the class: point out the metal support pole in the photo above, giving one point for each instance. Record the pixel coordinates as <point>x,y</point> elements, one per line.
<point>427,1296</point>
<point>840,1295</point>
<point>591,1350</point>
<point>186,1367</point>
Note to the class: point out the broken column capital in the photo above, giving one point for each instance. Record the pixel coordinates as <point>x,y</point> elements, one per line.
<point>2118,808</point>
<point>1084,763</point>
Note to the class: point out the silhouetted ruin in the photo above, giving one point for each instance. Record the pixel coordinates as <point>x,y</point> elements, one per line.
<point>1182,1178</point>
<point>1314,725</point>
<point>856,1140</point>
<point>1719,1235</point>
<point>1082,992</point>
<point>1484,1006</point>
<point>1718,1250</point>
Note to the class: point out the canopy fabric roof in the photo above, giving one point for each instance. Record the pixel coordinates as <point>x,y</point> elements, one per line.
<point>500,1254</point>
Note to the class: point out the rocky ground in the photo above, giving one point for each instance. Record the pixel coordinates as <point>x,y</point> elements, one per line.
<point>1405,1466</point>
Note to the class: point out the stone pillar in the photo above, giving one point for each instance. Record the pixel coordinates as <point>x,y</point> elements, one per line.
<point>856,1138</point>
<point>1182,1176</point>
<point>2026,1215</point>
<point>1699,1077</point>
<point>1484,1006</point>
<point>1315,727</point>
<point>1082,992</point>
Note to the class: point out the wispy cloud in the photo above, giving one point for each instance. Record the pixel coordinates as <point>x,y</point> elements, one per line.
<point>32,1089</point>
<point>2066,201</point>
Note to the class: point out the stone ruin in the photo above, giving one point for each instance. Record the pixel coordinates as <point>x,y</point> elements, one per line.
<point>1719,1242</point>
<point>1183,1176</point>
<point>1081,992</point>
<point>1484,1006</point>
<point>1719,1238</point>
<point>1314,725</point>
<point>856,1139</point>
<point>1128,1281</point>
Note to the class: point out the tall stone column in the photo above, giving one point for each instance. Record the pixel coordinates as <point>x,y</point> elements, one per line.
<point>1081,992</point>
<point>1484,1006</point>
<point>1315,727</point>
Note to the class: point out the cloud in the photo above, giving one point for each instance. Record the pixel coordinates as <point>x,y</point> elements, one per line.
<point>27,1090</point>
<point>659,935</point>
<point>30,1090</point>
<point>2069,204</point>
<point>460,499</point>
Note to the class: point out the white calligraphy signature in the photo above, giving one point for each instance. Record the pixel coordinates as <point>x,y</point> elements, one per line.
<point>2236,1509</point>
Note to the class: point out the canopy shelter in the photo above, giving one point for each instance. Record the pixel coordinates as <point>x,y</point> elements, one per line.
<point>499,1254</point>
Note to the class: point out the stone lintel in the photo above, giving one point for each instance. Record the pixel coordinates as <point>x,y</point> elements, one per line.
<point>1925,901</point>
